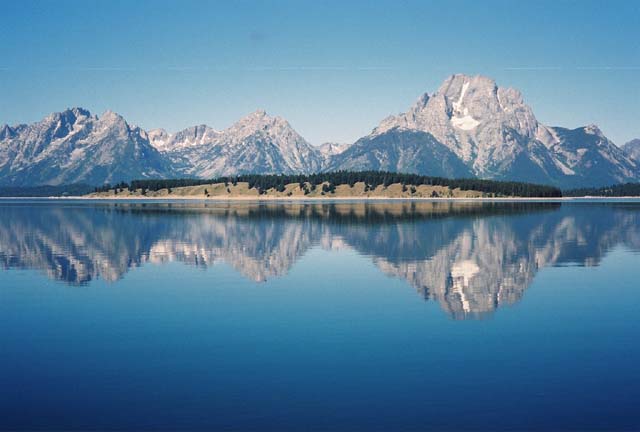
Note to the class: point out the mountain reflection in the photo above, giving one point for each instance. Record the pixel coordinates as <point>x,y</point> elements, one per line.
<point>470,257</point>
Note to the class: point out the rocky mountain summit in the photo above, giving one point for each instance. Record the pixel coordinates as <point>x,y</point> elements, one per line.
<point>497,136</point>
<point>632,149</point>
<point>470,127</point>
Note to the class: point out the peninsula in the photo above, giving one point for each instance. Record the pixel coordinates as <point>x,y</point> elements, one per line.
<point>341,184</point>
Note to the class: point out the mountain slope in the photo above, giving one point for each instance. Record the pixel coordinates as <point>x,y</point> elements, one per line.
<point>593,160</point>
<point>75,147</point>
<point>401,150</point>
<point>632,149</point>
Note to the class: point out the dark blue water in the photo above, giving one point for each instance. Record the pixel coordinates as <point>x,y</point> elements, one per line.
<point>346,316</point>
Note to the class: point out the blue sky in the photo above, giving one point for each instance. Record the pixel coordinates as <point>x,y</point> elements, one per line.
<point>333,69</point>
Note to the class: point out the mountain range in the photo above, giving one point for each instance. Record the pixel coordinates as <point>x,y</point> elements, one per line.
<point>469,127</point>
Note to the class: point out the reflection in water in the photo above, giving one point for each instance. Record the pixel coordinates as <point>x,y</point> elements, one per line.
<point>469,257</point>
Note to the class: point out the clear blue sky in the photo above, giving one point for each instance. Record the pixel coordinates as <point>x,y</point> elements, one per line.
<point>333,69</point>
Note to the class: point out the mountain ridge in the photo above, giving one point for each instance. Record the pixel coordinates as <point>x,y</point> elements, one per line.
<point>74,146</point>
<point>469,126</point>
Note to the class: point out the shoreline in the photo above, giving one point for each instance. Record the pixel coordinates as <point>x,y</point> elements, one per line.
<point>313,199</point>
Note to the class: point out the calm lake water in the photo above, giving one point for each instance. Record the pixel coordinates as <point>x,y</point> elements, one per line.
<point>344,316</point>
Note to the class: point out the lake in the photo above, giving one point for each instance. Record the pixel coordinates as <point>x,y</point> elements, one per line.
<point>320,316</point>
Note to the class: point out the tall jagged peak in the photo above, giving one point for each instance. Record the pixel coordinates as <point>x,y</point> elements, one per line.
<point>259,117</point>
<point>258,121</point>
<point>593,129</point>
<point>453,85</point>
<point>80,112</point>
<point>113,119</point>
<point>69,115</point>
<point>461,88</point>
<point>111,122</point>
<point>59,124</point>
<point>111,115</point>
<point>5,132</point>
<point>469,105</point>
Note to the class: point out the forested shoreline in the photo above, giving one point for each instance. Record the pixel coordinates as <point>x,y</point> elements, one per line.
<point>328,181</point>
<point>619,190</point>
<point>45,191</point>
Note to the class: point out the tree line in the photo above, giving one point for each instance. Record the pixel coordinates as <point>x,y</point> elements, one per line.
<point>329,180</point>
<point>618,190</point>
<point>45,191</point>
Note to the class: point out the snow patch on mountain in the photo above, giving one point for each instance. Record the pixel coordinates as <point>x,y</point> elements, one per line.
<point>461,118</point>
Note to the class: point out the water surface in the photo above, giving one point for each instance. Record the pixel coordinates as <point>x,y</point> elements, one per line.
<point>330,316</point>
